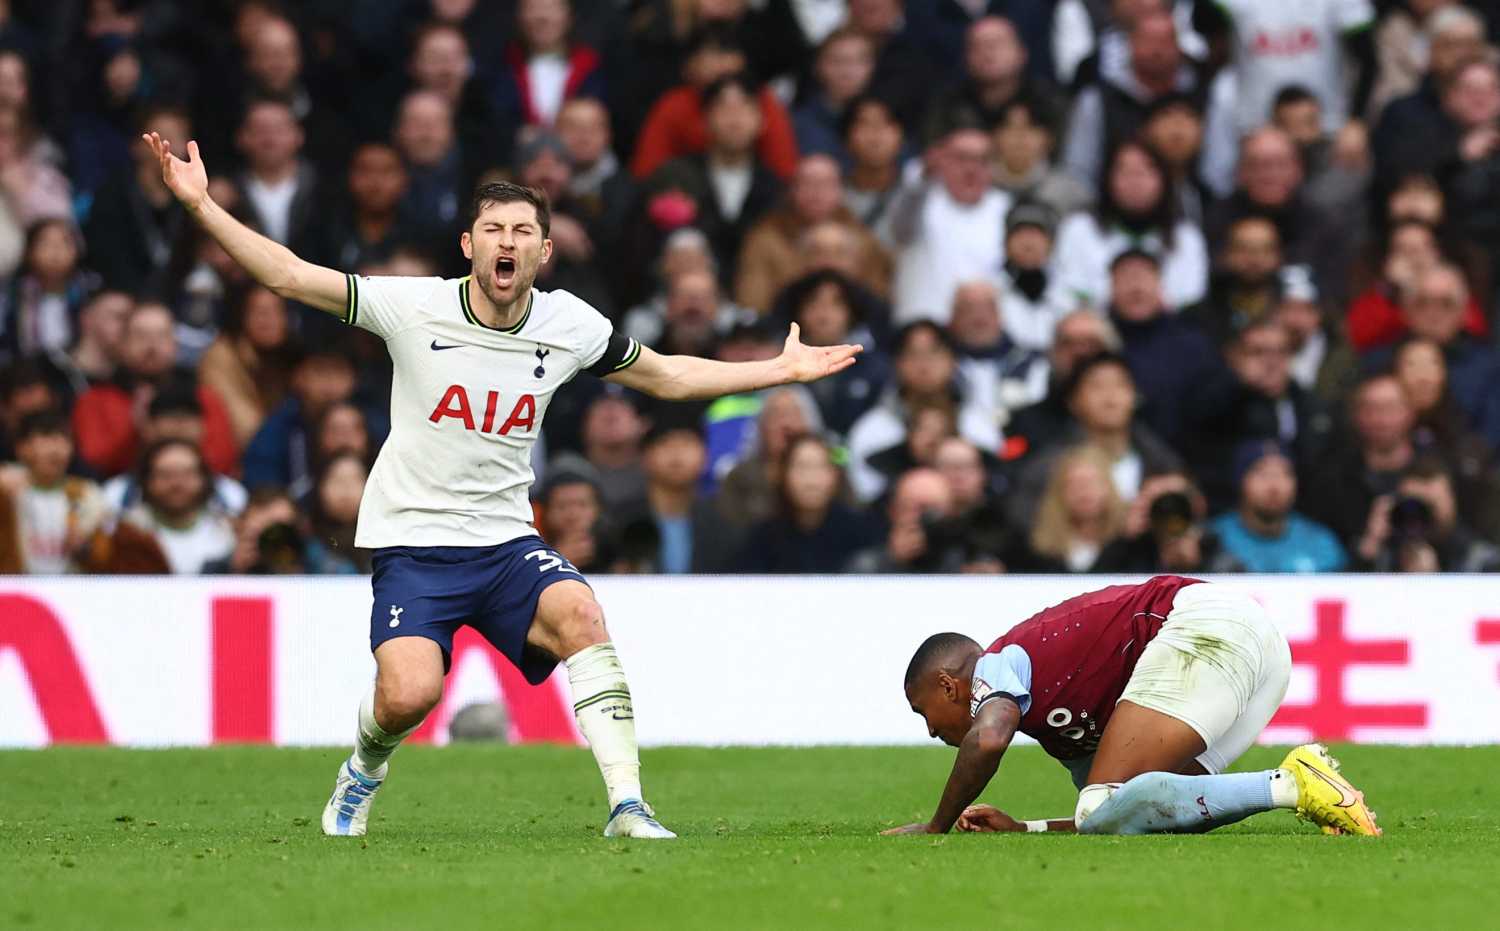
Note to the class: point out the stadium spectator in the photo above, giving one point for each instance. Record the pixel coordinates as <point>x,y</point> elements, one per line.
<point>925,366</point>
<point>543,66</point>
<point>993,76</point>
<point>678,125</point>
<point>1080,334</point>
<point>724,190</point>
<point>250,364</point>
<point>1335,181</point>
<point>685,250</point>
<point>25,388</point>
<point>1100,397</point>
<point>1024,135</point>
<point>875,141</point>
<point>31,165</point>
<point>1032,295</point>
<point>747,494</point>
<point>572,518</point>
<point>442,61</point>
<point>600,191</point>
<point>1323,362</point>
<point>1080,512</point>
<point>1168,356</point>
<point>269,539</point>
<point>1000,375</point>
<point>1403,48</point>
<point>1375,317</point>
<point>1419,529</point>
<point>672,458</point>
<point>438,171</point>
<point>342,430</point>
<point>841,72</point>
<point>367,226</point>
<point>280,452</point>
<point>1174,129</point>
<point>108,418</point>
<point>1413,130</point>
<point>923,536</point>
<point>839,246</point>
<point>135,220</point>
<point>173,414</point>
<point>39,315</point>
<point>1164,532</point>
<point>948,226</point>
<point>904,70</point>
<point>831,311</point>
<point>332,508</point>
<point>1472,178</point>
<point>768,260</point>
<point>542,163</point>
<point>56,513</point>
<point>1137,211</point>
<point>611,437</point>
<point>927,426</point>
<point>1264,533</point>
<point>95,355</point>
<point>1111,109</point>
<point>176,491</point>
<point>1244,287</point>
<point>814,529</point>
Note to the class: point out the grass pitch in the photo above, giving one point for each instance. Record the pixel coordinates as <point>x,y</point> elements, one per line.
<point>506,837</point>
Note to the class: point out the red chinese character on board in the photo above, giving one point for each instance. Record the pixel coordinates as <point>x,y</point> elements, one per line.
<point>1487,630</point>
<point>1330,715</point>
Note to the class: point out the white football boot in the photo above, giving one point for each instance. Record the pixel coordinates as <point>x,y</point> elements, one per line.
<point>347,813</point>
<point>634,818</point>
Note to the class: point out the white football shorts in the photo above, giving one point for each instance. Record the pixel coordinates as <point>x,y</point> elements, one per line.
<point>1219,666</point>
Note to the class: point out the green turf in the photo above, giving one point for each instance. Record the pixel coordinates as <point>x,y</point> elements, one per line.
<point>496,837</point>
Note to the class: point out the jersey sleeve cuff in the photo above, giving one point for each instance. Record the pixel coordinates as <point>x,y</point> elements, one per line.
<point>351,299</point>
<point>620,353</point>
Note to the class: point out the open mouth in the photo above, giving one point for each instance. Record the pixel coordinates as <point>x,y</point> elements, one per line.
<point>505,271</point>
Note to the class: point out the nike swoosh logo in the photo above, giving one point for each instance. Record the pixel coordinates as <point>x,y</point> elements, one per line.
<point>1345,799</point>
<point>437,348</point>
<point>623,717</point>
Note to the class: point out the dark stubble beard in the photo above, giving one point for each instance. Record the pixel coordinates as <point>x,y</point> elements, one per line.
<point>523,284</point>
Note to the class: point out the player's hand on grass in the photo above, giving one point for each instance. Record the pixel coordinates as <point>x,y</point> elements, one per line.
<point>987,819</point>
<point>187,180</point>
<point>919,828</point>
<point>810,363</point>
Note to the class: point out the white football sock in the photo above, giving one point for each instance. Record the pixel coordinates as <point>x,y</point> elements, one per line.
<point>601,703</point>
<point>1283,789</point>
<point>372,744</point>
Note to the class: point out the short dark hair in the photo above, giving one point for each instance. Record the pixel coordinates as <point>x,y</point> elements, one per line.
<point>718,36</point>
<point>906,334</point>
<point>935,653</point>
<point>741,81</point>
<point>1293,94</point>
<point>155,452</point>
<point>866,99</point>
<point>1081,371</point>
<point>48,422</point>
<point>508,192</point>
<point>175,401</point>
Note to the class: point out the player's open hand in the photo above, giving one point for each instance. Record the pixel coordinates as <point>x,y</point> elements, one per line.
<point>987,819</point>
<point>810,363</point>
<point>187,180</point>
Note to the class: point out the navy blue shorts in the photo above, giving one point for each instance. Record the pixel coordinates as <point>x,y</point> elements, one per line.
<point>431,591</point>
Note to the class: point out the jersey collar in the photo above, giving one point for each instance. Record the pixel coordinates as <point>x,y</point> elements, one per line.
<point>463,301</point>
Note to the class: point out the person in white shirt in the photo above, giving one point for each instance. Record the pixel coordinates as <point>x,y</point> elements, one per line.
<point>278,185</point>
<point>476,363</point>
<point>56,513</point>
<point>176,507</point>
<point>948,227</point>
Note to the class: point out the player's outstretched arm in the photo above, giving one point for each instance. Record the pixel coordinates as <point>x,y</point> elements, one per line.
<point>267,261</point>
<point>682,378</point>
<point>987,819</point>
<point>978,758</point>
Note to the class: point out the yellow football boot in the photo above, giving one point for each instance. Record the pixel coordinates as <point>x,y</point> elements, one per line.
<point>1326,798</point>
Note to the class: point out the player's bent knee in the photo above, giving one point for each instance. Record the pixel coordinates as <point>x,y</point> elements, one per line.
<point>574,623</point>
<point>1090,798</point>
<point>401,703</point>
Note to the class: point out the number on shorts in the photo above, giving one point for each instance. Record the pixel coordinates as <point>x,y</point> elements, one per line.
<point>549,560</point>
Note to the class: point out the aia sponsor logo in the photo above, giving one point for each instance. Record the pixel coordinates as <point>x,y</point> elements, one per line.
<point>1285,43</point>
<point>457,406</point>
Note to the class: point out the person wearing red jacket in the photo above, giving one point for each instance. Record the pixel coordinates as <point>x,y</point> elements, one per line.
<point>107,417</point>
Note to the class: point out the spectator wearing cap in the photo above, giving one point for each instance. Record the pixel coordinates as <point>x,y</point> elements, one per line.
<point>1167,355</point>
<point>174,414</point>
<point>1254,397</point>
<point>725,187</point>
<point>874,141</point>
<point>1024,134</point>
<point>1265,532</point>
<point>926,374</point>
<point>542,163</point>
<point>1032,297</point>
<point>814,528</point>
<point>1100,398</point>
<point>832,310</point>
<point>947,227</point>
<point>840,74</point>
<point>994,75</point>
<point>1323,362</point>
<point>769,259</point>
<point>1243,289</point>
<point>1137,210</point>
<point>56,513</point>
<point>281,452</point>
<point>108,418</point>
<point>678,125</point>
<point>544,67</point>
<point>1111,108</point>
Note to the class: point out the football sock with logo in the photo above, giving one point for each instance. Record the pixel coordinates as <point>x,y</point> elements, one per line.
<point>372,744</point>
<point>1154,803</point>
<point>601,703</point>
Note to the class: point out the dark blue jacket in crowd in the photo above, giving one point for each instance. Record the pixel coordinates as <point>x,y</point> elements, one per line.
<point>1167,356</point>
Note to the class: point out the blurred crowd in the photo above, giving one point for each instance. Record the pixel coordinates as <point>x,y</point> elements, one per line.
<point>1195,286</point>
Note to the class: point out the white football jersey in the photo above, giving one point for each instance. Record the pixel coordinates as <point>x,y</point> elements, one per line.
<point>1282,42</point>
<point>467,403</point>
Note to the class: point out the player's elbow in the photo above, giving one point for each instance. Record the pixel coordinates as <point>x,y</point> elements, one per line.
<point>988,741</point>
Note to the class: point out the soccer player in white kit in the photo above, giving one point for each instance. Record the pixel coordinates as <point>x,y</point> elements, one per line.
<point>476,361</point>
